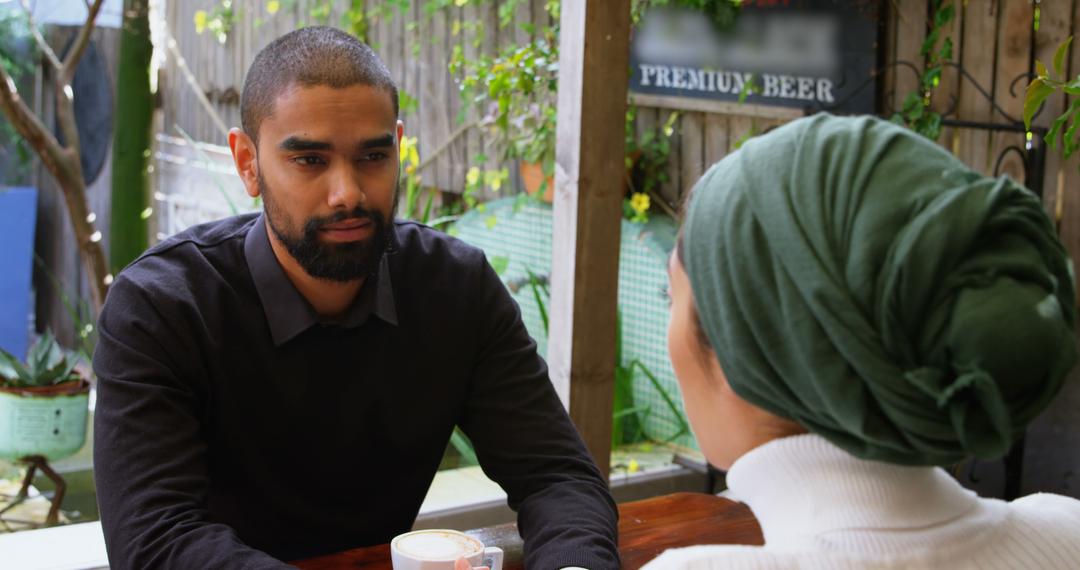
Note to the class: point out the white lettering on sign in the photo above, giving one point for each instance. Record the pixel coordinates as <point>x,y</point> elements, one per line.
<point>695,80</point>
<point>646,70</point>
<point>806,88</point>
<point>767,86</point>
<point>772,85</point>
<point>664,79</point>
<point>723,82</point>
<point>787,87</point>
<point>824,91</point>
<point>680,79</point>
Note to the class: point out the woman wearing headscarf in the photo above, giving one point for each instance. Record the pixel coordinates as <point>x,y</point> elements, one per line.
<point>853,308</point>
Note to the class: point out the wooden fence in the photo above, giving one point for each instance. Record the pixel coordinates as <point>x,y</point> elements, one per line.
<point>415,46</point>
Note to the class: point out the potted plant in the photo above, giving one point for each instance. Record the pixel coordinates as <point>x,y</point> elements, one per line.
<point>516,91</point>
<point>43,412</point>
<point>43,403</point>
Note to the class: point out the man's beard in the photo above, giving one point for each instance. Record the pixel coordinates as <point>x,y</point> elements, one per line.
<point>340,262</point>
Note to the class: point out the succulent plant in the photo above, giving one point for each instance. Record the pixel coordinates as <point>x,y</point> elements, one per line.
<point>46,365</point>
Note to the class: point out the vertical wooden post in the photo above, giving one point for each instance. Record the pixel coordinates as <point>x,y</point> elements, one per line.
<point>589,184</point>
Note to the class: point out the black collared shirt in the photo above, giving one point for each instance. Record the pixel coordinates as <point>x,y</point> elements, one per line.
<point>234,429</point>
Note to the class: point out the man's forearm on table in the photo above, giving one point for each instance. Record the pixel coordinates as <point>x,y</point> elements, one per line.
<point>570,524</point>
<point>199,545</point>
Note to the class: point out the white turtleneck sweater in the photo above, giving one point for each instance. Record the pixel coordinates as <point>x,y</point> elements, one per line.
<point>820,507</point>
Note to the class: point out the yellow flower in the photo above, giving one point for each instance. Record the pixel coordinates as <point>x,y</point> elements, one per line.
<point>495,180</point>
<point>273,6</point>
<point>640,202</point>
<point>408,151</point>
<point>200,21</point>
<point>472,177</point>
<point>634,467</point>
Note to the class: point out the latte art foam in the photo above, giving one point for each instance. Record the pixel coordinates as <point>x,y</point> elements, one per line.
<point>437,545</point>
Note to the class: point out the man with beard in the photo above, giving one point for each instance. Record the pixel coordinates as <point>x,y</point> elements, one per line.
<point>277,386</point>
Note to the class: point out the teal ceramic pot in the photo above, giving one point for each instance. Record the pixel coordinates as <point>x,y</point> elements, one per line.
<point>49,421</point>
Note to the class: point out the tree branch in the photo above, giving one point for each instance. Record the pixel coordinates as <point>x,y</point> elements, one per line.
<point>28,125</point>
<point>65,101</point>
<point>63,164</point>
<point>46,49</point>
<point>63,161</point>
<point>71,62</point>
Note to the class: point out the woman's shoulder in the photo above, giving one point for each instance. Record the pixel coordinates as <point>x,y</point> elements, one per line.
<point>737,557</point>
<point>1049,510</point>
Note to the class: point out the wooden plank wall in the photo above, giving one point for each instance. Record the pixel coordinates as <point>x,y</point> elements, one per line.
<point>996,44</point>
<point>415,46</point>
<point>417,49</point>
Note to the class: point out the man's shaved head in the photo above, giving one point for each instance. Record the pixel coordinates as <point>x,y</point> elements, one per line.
<point>308,57</point>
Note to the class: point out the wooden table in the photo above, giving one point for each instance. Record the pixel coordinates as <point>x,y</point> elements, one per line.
<point>646,528</point>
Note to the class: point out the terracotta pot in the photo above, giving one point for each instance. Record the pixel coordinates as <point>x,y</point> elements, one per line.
<point>532,175</point>
<point>49,421</point>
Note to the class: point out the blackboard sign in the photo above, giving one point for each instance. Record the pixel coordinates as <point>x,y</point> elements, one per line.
<point>805,54</point>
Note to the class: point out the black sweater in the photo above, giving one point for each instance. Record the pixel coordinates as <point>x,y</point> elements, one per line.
<point>234,430</point>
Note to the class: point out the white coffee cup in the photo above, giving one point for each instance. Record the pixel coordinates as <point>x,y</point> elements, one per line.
<point>439,549</point>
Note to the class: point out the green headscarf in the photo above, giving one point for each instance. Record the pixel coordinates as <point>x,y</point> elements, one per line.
<point>853,276</point>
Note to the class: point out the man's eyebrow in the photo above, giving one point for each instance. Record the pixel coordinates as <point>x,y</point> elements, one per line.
<point>297,144</point>
<point>377,142</point>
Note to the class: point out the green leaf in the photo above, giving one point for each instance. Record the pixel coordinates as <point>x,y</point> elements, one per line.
<point>676,412</point>
<point>427,208</point>
<point>1055,129</point>
<point>62,371</point>
<point>536,287</point>
<point>464,448</point>
<point>932,126</point>
<point>25,376</point>
<point>1071,142</point>
<point>912,102</point>
<point>931,78</point>
<point>929,43</point>
<point>944,15</point>
<point>9,366</point>
<point>499,263</point>
<point>38,358</point>
<point>946,51</point>
<point>1059,56</point>
<point>1037,92</point>
<point>1040,69</point>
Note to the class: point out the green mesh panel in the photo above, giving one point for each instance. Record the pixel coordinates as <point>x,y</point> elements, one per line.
<point>520,231</point>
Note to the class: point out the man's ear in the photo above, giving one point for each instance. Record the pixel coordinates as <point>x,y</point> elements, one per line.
<point>400,131</point>
<point>245,156</point>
